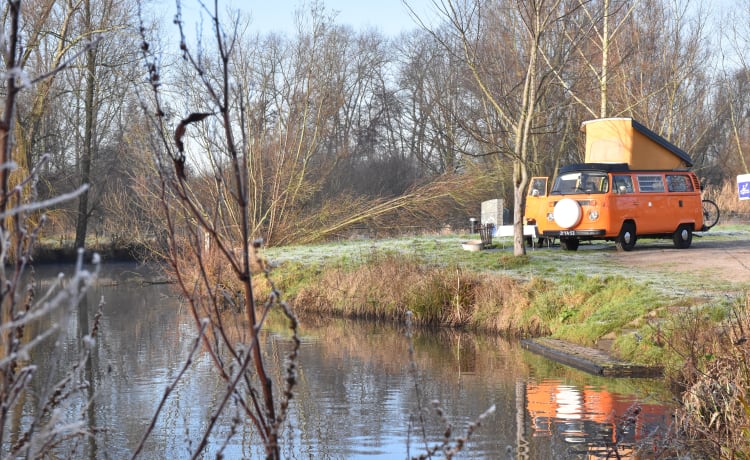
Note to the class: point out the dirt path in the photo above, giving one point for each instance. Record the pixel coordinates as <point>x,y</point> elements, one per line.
<point>721,260</point>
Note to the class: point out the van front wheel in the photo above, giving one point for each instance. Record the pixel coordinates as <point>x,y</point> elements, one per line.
<point>569,244</point>
<point>626,239</point>
<point>683,236</point>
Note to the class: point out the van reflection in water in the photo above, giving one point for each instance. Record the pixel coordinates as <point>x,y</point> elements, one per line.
<point>592,418</point>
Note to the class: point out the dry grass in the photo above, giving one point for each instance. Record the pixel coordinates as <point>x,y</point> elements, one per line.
<point>377,289</point>
<point>205,267</point>
<point>726,199</point>
<point>500,304</point>
<point>388,285</point>
<point>715,409</point>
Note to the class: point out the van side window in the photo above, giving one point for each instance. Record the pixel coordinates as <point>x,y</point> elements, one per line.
<point>622,184</point>
<point>650,183</point>
<point>679,183</point>
<point>538,186</point>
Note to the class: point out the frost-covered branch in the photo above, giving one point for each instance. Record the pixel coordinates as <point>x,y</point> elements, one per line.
<point>45,204</point>
<point>26,322</point>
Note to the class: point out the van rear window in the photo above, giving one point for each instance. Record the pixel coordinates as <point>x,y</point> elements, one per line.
<point>679,183</point>
<point>650,183</point>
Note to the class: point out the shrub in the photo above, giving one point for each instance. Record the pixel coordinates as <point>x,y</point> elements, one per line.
<point>714,417</point>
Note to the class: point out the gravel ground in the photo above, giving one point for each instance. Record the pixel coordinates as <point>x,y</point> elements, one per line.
<point>715,260</point>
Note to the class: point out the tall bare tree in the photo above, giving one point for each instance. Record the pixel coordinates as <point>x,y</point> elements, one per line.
<point>501,45</point>
<point>437,103</point>
<point>44,51</point>
<point>590,34</point>
<point>101,98</point>
<point>731,104</point>
<point>89,134</point>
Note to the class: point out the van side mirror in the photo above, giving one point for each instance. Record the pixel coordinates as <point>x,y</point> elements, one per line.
<point>622,189</point>
<point>534,192</point>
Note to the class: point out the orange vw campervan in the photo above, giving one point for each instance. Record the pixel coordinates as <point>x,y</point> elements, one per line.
<point>649,194</point>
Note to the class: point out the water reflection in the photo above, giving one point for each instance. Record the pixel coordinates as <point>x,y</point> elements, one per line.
<point>591,416</point>
<point>356,396</point>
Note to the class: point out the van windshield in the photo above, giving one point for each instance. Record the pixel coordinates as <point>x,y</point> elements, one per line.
<point>575,183</point>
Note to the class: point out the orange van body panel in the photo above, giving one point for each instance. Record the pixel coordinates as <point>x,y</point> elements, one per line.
<point>654,213</point>
<point>536,201</point>
<point>633,183</point>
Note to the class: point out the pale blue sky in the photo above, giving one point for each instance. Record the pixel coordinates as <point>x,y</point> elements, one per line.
<point>388,16</point>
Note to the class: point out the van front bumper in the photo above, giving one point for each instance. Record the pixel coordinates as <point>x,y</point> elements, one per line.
<point>559,233</point>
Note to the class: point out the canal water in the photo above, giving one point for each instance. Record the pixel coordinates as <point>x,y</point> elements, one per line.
<point>359,396</point>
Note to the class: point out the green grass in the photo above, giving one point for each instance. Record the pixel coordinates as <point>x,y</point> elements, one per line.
<point>579,296</point>
<point>604,305</point>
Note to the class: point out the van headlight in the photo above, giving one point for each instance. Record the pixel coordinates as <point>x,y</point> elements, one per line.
<point>593,215</point>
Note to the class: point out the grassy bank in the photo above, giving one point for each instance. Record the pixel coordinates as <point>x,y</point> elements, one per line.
<point>586,297</point>
<point>693,323</point>
<point>573,307</point>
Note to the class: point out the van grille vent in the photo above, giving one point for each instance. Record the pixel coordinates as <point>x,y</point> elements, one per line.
<point>696,182</point>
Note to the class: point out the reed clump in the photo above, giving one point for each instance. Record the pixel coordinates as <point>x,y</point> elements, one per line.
<point>388,285</point>
<point>385,285</point>
<point>502,304</point>
<point>204,267</point>
<point>713,418</point>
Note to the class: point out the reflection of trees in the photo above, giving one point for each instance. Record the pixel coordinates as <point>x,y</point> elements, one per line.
<point>448,351</point>
<point>373,359</point>
<point>354,383</point>
<point>455,357</point>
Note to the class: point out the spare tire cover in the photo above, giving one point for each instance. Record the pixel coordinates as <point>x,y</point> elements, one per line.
<point>567,213</point>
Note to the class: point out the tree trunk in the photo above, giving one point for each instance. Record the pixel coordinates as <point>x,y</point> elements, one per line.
<point>523,133</point>
<point>88,140</point>
<point>519,241</point>
<point>605,61</point>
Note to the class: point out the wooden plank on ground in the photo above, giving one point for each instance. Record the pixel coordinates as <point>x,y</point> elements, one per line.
<point>587,359</point>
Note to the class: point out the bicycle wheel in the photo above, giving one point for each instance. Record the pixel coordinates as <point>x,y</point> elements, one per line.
<point>710,214</point>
